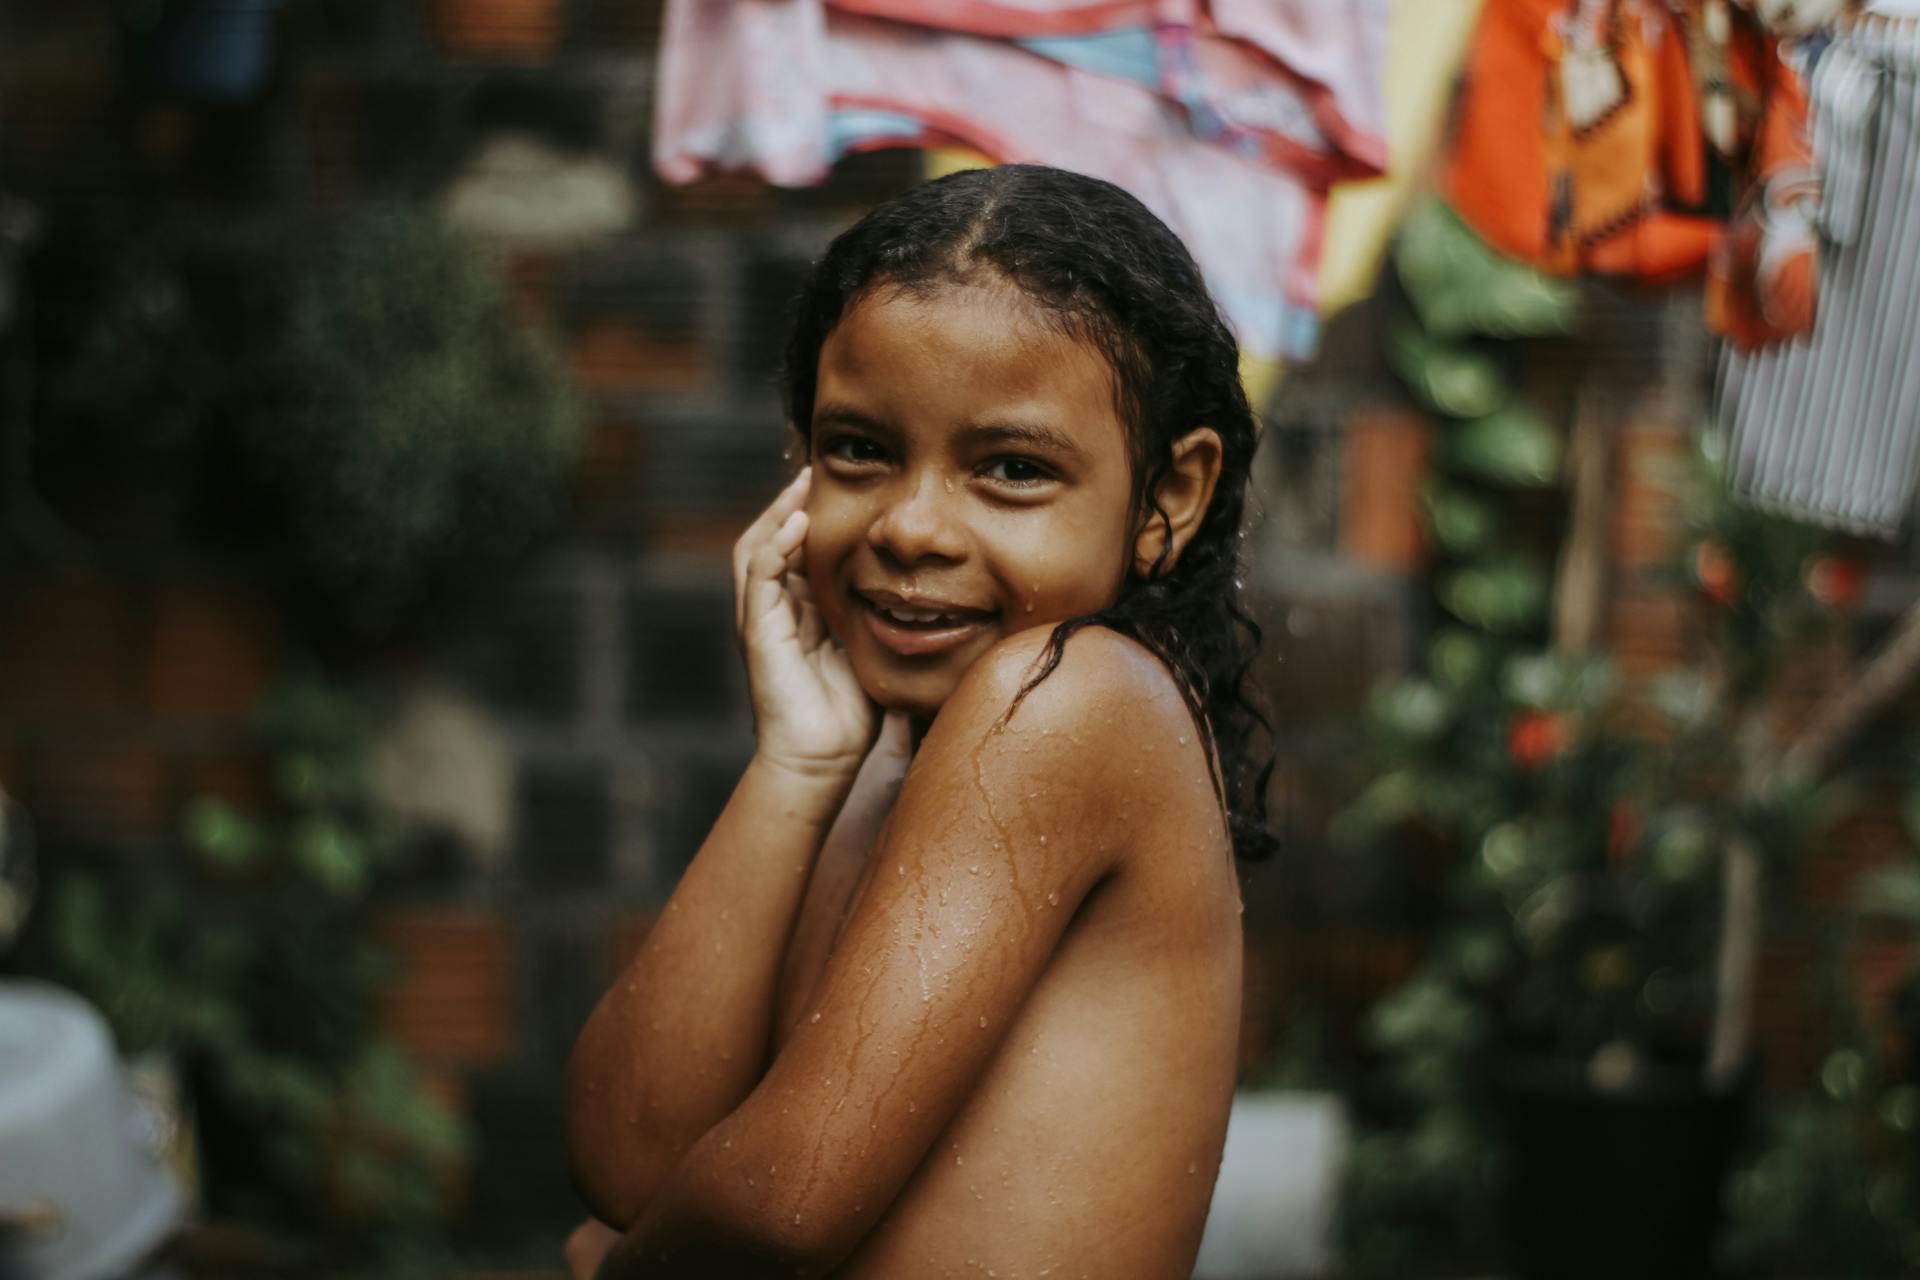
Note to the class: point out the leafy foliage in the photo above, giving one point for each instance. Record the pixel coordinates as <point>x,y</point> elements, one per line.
<point>258,975</point>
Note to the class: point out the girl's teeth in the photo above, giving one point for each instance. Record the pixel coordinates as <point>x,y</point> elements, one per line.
<point>915,615</point>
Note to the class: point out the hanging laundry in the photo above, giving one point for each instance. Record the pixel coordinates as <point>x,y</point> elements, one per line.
<point>1297,83</point>
<point>1427,43</point>
<point>1827,428</point>
<point>1645,139</point>
<point>789,88</point>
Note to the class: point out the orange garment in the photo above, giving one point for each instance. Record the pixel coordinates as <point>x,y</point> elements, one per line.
<point>1627,191</point>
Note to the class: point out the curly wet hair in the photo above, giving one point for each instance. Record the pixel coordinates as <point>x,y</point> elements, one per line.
<point>1102,266</point>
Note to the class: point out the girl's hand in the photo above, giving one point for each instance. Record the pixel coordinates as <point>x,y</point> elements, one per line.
<point>809,712</point>
<point>587,1247</point>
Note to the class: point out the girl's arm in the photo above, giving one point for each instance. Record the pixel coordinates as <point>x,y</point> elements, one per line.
<point>682,1036</point>
<point>1001,831</point>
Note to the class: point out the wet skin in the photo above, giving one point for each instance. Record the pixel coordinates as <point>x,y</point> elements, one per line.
<point>976,1014</point>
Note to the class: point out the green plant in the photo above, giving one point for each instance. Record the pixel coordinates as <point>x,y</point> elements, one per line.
<point>1586,824</point>
<point>1832,1184</point>
<point>409,434</point>
<point>256,973</point>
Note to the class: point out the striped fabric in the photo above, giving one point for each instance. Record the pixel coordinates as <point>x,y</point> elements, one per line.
<point>1827,428</point>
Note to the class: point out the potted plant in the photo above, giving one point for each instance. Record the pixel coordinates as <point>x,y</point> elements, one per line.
<point>252,968</point>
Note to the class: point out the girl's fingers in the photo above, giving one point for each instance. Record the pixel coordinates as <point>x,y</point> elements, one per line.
<point>765,526</point>
<point>812,628</point>
<point>766,587</point>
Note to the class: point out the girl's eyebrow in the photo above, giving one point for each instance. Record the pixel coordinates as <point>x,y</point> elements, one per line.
<point>840,415</point>
<point>1033,435</point>
<point>1030,434</point>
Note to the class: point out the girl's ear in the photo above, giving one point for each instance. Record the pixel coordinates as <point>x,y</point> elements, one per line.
<point>1182,495</point>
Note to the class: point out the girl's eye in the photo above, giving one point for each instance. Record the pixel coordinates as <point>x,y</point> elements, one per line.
<point>1017,471</point>
<point>855,449</point>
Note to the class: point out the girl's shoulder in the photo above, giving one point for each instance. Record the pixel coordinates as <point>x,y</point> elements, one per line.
<point>1107,715</point>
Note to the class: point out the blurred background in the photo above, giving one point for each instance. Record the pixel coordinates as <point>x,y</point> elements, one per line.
<point>386,380</point>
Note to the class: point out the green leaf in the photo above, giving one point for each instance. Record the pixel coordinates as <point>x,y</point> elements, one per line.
<point>223,837</point>
<point>1449,378</point>
<point>1514,446</point>
<point>331,855</point>
<point>1500,597</point>
<point>1461,523</point>
<point>1460,285</point>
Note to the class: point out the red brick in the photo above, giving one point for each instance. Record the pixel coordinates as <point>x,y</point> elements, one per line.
<point>1648,632</point>
<point>514,29</point>
<point>611,355</point>
<point>606,478</point>
<point>450,1005</point>
<point>1806,677</point>
<point>214,653</point>
<point>67,649</point>
<point>1650,501</point>
<point>1789,1019</point>
<point>1865,840</point>
<point>1877,968</point>
<point>529,279</point>
<point>116,792</point>
<point>736,196</point>
<point>1385,466</point>
<point>238,777</point>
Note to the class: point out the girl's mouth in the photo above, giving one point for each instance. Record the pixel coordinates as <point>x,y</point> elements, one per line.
<point>920,630</point>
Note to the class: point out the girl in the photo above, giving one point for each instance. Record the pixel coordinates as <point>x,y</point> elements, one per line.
<point>953,986</point>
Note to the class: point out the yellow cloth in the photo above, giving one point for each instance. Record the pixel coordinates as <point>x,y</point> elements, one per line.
<point>1426,47</point>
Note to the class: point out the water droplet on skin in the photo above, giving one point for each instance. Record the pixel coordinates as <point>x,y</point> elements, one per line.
<point>909,1106</point>
<point>814,1018</point>
<point>1053,898</point>
<point>751,1182</point>
<point>796,1219</point>
<point>974,870</point>
<point>983,1019</point>
<point>1183,739</point>
<point>958,1160</point>
<point>1192,1167</point>
<point>632,987</point>
<point>1043,839</point>
<point>726,1144</point>
<point>902,868</point>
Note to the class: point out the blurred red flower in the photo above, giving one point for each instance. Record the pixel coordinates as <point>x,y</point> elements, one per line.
<point>1713,569</point>
<point>1835,580</point>
<point>1535,737</point>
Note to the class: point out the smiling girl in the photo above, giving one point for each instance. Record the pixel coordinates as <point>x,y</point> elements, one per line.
<point>953,986</point>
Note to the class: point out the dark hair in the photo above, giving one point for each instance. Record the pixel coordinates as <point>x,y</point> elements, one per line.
<point>1108,271</point>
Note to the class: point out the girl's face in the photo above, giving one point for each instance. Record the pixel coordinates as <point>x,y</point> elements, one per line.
<point>970,480</point>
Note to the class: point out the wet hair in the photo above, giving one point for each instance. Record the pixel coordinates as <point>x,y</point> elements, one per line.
<point>1097,263</point>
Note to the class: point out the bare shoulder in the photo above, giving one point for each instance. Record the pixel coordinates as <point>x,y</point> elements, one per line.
<point>1107,723</point>
<point>1103,681</point>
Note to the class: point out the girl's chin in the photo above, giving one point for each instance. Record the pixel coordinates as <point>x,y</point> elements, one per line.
<point>919,694</point>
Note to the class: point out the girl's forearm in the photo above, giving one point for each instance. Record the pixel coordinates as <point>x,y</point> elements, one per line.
<point>680,1039</point>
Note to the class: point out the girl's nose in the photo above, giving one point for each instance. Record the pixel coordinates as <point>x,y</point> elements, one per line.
<point>919,522</point>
